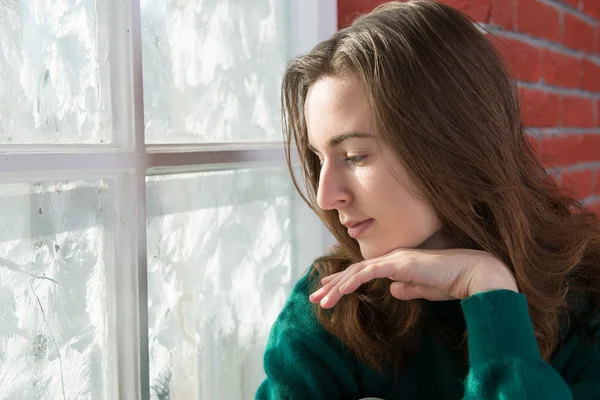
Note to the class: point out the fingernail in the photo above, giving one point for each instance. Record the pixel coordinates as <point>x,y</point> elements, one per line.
<point>324,301</point>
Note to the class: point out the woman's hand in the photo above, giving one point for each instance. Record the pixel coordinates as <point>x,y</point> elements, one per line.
<point>428,274</point>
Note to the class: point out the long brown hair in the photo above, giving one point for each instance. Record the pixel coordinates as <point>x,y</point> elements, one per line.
<point>444,100</point>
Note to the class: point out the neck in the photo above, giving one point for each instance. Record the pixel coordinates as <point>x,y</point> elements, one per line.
<point>437,241</point>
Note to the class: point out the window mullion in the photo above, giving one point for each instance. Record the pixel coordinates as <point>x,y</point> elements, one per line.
<point>114,160</point>
<point>140,189</point>
<point>125,53</point>
<point>19,163</point>
<point>142,251</point>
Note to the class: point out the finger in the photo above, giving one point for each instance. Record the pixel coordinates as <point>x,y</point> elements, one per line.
<point>409,291</point>
<point>356,276</point>
<point>328,278</point>
<point>426,270</point>
<point>368,273</point>
<point>317,296</point>
<point>334,294</point>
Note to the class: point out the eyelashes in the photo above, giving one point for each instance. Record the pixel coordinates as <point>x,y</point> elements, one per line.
<point>356,160</point>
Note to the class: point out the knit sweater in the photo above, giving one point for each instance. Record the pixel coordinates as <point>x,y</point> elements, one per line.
<point>303,361</point>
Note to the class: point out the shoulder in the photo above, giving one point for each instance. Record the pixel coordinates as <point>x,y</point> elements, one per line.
<point>298,313</point>
<point>301,359</point>
<point>298,320</point>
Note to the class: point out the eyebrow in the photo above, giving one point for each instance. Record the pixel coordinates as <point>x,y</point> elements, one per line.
<point>338,139</point>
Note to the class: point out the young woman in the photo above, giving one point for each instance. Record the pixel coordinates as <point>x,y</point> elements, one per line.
<point>462,271</point>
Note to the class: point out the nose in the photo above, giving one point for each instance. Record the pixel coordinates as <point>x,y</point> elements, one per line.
<point>333,192</point>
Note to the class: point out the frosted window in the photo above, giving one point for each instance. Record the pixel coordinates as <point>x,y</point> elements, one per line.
<point>54,273</point>
<point>53,88</point>
<point>220,256</point>
<point>212,69</point>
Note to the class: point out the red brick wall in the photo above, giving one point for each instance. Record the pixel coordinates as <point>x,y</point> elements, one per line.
<point>553,47</point>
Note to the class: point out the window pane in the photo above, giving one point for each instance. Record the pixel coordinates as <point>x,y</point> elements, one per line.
<point>52,85</point>
<point>212,69</point>
<point>55,269</point>
<point>221,263</point>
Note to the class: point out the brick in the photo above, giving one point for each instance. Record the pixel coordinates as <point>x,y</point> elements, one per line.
<point>461,5</point>
<point>577,111</point>
<point>523,59</point>
<point>539,108</point>
<point>572,3</point>
<point>555,175</point>
<point>538,19</point>
<point>579,34</point>
<point>480,10</point>
<point>581,183</point>
<point>560,69</point>
<point>502,13</point>
<point>591,148</point>
<point>597,184</point>
<point>570,149</point>
<point>592,8</point>
<point>348,10</point>
<point>590,76</point>
<point>534,142</point>
<point>595,207</point>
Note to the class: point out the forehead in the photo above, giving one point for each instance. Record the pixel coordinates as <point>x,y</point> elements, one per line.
<point>336,94</point>
<point>336,105</point>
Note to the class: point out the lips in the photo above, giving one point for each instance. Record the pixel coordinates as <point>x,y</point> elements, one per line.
<point>354,224</point>
<point>358,228</point>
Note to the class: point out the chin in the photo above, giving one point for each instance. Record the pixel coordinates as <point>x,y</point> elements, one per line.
<point>368,250</point>
<point>372,250</point>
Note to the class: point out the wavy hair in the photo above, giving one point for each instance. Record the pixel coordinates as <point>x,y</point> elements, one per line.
<point>443,99</point>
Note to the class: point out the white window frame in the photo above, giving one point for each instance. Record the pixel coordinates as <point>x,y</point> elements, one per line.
<point>129,158</point>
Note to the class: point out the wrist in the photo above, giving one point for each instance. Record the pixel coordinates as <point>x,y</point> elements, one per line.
<point>498,285</point>
<point>494,278</point>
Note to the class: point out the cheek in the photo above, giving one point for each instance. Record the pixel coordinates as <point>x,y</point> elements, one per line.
<point>407,212</point>
<point>393,203</point>
<point>370,181</point>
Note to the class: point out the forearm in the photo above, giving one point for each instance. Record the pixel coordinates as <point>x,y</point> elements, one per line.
<point>503,353</point>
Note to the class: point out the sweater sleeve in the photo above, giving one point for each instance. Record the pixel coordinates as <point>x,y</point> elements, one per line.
<point>504,358</point>
<point>303,361</point>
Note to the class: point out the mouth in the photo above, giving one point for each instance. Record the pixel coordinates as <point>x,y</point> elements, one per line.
<point>358,228</point>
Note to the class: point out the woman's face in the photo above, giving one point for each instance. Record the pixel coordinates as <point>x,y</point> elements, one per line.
<point>355,180</point>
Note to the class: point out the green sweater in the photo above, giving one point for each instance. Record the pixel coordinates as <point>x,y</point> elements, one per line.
<point>303,361</point>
